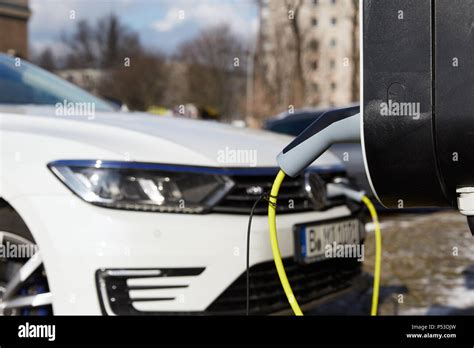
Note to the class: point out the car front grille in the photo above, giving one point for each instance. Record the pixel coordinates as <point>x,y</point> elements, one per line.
<point>309,283</point>
<point>292,198</point>
<point>127,292</point>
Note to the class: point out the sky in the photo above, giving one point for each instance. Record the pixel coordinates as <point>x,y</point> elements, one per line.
<point>161,24</point>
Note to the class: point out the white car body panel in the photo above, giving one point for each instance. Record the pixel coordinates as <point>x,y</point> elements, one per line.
<point>77,238</point>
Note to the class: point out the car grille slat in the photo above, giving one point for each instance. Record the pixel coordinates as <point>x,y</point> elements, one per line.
<point>292,198</point>
<point>309,283</point>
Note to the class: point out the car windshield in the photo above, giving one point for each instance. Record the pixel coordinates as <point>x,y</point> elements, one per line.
<point>22,83</point>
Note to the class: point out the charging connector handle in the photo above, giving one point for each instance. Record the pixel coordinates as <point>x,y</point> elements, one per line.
<point>337,126</point>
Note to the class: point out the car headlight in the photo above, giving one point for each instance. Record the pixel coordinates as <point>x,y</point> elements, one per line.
<point>143,187</point>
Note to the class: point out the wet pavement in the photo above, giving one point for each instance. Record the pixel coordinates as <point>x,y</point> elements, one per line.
<point>427,267</point>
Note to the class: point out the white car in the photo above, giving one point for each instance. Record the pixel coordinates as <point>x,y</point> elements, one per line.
<point>138,214</point>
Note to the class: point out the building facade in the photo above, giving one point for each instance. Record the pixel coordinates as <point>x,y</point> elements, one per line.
<point>314,42</point>
<point>14,15</point>
<point>88,79</point>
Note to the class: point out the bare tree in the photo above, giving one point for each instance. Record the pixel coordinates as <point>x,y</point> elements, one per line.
<point>115,42</point>
<point>82,46</point>
<point>355,52</point>
<point>294,16</point>
<point>281,68</point>
<point>131,74</point>
<point>139,84</point>
<point>266,93</point>
<point>264,102</point>
<point>102,45</point>
<point>215,61</point>
<point>46,60</point>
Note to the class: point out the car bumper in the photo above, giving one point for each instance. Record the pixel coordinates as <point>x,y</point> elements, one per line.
<point>80,242</point>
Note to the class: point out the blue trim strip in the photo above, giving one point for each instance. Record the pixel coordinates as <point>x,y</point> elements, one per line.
<point>184,168</point>
<point>303,242</point>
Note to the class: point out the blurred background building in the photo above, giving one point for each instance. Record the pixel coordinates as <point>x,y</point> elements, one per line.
<point>14,15</point>
<point>308,52</point>
<point>88,79</point>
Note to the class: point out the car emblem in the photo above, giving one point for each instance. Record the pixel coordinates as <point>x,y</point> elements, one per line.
<point>315,188</point>
<point>254,190</point>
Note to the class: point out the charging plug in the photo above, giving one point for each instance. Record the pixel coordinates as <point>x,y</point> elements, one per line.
<point>340,189</point>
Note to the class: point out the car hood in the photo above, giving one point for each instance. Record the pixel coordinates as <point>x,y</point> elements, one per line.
<point>150,138</point>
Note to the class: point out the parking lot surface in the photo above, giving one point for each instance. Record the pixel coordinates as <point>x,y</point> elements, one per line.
<point>427,267</point>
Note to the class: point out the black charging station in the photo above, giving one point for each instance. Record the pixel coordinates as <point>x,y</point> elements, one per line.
<point>418,100</point>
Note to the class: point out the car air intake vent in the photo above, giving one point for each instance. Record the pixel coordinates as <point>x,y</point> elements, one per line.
<point>142,291</point>
<point>294,196</point>
<point>309,282</point>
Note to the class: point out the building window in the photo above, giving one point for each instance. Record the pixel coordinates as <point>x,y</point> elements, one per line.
<point>315,2</point>
<point>314,45</point>
<point>333,42</point>
<point>333,86</point>
<point>333,63</point>
<point>315,87</point>
<point>314,65</point>
<point>333,2</point>
<point>314,22</point>
<point>333,20</point>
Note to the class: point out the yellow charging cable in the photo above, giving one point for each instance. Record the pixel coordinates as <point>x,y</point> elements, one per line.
<point>277,256</point>
<point>378,254</point>
<point>275,248</point>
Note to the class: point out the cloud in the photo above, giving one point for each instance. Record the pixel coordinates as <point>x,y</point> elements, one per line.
<point>239,15</point>
<point>173,18</point>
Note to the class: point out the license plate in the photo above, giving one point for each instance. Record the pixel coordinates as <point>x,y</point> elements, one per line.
<point>313,240</point>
